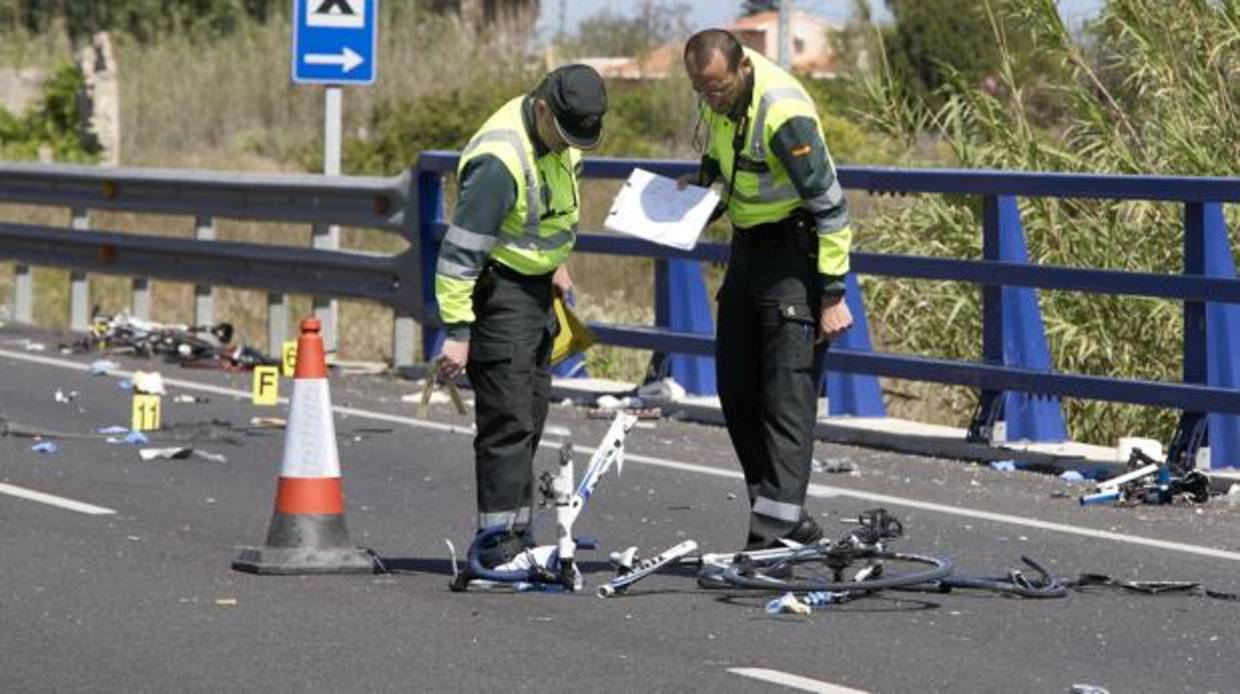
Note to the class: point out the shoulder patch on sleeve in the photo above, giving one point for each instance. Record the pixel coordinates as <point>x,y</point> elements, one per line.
<point>801,150</point>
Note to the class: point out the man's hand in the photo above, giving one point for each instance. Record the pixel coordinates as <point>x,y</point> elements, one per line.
<point>452,358</point>
<point>689,179</point>
<point>834,319</point>
<point>561,282</point>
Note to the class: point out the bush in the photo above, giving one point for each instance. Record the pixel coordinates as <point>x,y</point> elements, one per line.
<point>52,123</point>
<point>402,128</point>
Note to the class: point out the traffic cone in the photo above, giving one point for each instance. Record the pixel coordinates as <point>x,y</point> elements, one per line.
<point>307,533</point>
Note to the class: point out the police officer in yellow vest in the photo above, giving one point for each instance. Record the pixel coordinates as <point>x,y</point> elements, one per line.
<point>500,262</point>
<point>782,298</point>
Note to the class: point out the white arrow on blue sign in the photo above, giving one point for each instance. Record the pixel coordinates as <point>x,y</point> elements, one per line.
<point>334,41</point>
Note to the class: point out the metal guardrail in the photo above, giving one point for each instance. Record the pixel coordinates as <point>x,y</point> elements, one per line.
<point>1008,379</point>
<point>411,205</point>
<point>319,201</point>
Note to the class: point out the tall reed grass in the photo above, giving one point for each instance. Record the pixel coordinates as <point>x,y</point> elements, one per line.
<point>1152,88</point>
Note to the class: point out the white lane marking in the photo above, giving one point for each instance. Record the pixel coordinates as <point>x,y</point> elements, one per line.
<point>53,500</point>
<point>804,684</point>
<point>820,491</point>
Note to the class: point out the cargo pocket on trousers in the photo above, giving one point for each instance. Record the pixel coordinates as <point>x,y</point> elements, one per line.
<point>499,355</point>
<point>791,341</point>
<point>500,374</point>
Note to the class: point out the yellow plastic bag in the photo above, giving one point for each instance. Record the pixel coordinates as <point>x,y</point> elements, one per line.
<point>573,337</point>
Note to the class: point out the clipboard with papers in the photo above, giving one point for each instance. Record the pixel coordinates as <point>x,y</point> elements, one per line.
<point>653,208</point>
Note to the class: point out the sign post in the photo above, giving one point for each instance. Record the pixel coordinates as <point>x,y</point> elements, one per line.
<point>334,43</point>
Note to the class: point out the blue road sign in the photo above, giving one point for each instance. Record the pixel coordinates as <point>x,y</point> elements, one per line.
<point>334,41</point>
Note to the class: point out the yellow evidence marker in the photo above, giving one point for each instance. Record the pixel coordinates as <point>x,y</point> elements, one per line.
<point>288,358</point>
<point>145,413</point>
<point>266,385</point>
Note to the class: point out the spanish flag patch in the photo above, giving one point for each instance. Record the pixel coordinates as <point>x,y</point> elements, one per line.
<point>801,150</point>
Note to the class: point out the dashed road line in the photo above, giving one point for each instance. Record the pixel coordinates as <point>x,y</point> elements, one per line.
<point>791,681</point>
<point>53,500</point>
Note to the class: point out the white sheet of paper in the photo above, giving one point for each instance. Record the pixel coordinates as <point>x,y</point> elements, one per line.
<point>650,207</point>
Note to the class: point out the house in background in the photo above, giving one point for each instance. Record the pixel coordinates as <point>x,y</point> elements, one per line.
<point>811,51</point>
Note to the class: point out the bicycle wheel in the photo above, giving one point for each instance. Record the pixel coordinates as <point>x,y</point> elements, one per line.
<point>1003,586</point>
<point>870,571</point>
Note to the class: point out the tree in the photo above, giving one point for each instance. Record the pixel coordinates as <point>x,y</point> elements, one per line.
<point>751,7</point>
<point>608,33</point>
<point>930,41</point>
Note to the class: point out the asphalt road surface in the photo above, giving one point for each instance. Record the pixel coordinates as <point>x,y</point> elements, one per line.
<point>116,572</point>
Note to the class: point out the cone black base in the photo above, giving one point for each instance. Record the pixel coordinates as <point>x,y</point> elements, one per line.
<point>295,561</point>
<point>306,544</point>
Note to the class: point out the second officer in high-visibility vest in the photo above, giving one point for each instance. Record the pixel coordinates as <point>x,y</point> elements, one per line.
<point>500,263</point>
<point>782,298</point>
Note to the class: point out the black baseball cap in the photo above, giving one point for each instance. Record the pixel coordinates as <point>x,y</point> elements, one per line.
<point>578,100</point>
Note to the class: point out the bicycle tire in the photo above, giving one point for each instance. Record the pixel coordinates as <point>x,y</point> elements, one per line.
<point>759,579</point>
<point>1002,586</point>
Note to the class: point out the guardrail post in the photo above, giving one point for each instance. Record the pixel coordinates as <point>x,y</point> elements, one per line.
<point>1012,331</point>
<point>79,285</point>
<point>140,298</point>
<point>855,395</point>
<point>23,293</point>
<point>1211,338</point>
<point>680,304</point>
<point>204,294</point>
<point>277,322</point>
<point>430,217</point>
<point>404,337</point>
<point>326,237</point>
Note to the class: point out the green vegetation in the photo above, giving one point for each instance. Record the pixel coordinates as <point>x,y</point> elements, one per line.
<point>1156,93</point>
<point>142,19</point>
<point>51,125</point>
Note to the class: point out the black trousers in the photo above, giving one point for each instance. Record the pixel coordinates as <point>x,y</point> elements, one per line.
<point>768,368</point>
<point>509,349</point>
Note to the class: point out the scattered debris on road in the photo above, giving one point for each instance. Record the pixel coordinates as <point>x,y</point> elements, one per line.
<point>173,453</point>
<point>268,422</point>
<point>101,367</point>
<point>149,382</point>
<point>1150,481</point>
<point>135,438</point>
<point>201,346</point>
<point>833,465</point>
<point>788,603</point>
<point>643,413</point>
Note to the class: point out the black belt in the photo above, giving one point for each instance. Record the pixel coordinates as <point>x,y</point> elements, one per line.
<point>510,274</point>
<point>796,225</point>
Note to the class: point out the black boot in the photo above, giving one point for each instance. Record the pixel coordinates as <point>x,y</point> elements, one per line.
<point>806,532</point>
<point>504,547</point>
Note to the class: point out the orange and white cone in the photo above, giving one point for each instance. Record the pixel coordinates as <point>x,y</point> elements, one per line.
<point>307,533</point>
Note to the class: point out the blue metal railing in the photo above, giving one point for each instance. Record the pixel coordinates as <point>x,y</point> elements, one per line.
<point>1015,377</point>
